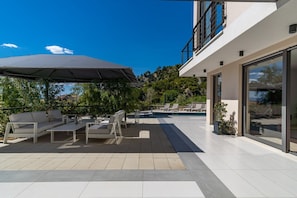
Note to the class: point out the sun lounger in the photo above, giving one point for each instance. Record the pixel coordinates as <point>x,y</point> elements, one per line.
<point>197,107</point>
<point>203,107</point>
<point>166,107</point>
<point>200,107</point>
<point>175,107</point>
<point>189,107</point>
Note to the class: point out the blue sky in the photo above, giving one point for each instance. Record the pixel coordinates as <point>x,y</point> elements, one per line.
<point>141,34</point>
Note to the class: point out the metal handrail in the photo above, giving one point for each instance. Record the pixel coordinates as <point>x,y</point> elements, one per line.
<point>205,29</point>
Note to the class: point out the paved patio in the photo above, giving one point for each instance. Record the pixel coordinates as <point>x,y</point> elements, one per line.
<point>188,160</point>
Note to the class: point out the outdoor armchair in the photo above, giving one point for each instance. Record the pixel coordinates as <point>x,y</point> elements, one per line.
<point>122,117</point>
<point>104,130</point>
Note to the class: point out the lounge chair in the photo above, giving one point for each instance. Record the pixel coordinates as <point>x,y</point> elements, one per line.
<point>175,107</point>
<point>203,107</point>
<point>166,107</point>
<point>104,130</point>
<point>189,107</point>
<point>197,107</point>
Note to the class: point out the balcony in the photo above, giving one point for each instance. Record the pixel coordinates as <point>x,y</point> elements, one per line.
<point>211,22</point>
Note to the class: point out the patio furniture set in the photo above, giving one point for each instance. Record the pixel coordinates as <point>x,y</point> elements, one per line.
<point>36,124</point>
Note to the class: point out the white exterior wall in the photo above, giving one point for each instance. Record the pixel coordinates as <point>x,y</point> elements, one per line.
<point>235,9</point>
<point>231,91</point>
<point>259,29</point>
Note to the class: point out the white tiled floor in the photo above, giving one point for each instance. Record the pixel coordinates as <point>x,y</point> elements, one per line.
<point>115,189</point>
<point>171,189</point>
<point>247,168</point>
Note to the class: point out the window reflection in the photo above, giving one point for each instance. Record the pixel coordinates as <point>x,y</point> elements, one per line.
<point>264,101</point>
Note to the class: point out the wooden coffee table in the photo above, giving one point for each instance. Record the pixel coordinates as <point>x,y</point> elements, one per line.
<point>69,127</point>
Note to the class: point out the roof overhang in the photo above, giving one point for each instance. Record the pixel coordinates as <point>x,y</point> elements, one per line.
<point>260,27</point>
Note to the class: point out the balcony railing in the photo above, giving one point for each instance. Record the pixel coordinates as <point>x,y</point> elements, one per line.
<point>187,51</point>
<point>209,25</point>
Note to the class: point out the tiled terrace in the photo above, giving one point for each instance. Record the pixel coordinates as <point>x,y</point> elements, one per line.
<point>181,157</point>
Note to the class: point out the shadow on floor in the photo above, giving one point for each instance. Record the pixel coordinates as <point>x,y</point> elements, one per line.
<point>179,141</point>
<point>158,138</point>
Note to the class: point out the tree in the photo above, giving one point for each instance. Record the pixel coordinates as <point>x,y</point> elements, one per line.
<point>169,96</point>
<point>17,95</point>
<point>149,96</point>
<point>186,89</point>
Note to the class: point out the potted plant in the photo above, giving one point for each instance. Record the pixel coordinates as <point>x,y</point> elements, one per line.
<point>221,124</point>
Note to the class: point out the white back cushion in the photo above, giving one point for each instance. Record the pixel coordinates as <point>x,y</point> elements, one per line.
<point>21,117</point>
<point>54,115</point>
<point>39,116</point>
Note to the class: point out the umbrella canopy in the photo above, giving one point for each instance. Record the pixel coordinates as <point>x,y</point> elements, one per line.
<point>64,68</point>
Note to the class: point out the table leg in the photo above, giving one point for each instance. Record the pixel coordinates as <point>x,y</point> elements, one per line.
<point>74,136</point>
<point>52,136</point>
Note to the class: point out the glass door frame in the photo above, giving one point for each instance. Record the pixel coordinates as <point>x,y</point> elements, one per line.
<point>287,55</point>
<point>216,84</point>
<point>284,112</point>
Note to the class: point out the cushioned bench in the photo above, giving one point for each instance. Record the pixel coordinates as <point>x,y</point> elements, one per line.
<point>32,124</point>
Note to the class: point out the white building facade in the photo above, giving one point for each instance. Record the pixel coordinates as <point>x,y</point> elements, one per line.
<point>248,52</point>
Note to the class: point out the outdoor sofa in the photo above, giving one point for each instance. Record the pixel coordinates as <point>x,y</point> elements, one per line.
<point>33,124</point>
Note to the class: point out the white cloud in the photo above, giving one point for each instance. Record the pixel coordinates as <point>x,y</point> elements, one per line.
<point>10,45</point>
<point>68,51</point>
<point>55,49</point>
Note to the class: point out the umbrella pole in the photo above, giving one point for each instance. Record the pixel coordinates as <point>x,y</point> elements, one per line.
<point>46,92</point>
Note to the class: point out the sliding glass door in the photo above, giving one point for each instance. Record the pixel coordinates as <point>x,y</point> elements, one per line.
<point>263,101</point>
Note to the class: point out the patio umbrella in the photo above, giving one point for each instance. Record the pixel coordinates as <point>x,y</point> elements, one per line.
<point>64,68</point>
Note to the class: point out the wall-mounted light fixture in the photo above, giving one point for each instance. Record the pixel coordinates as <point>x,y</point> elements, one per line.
<point>204,70</point>
<point>293,28</point>
<point>221,63</point>
<point>241,53</point>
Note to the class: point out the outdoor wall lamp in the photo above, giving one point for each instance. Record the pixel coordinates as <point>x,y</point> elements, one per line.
<point>292,28</point>
<point>221,63</point>
<point>204,70</point>
<point>241,53</point>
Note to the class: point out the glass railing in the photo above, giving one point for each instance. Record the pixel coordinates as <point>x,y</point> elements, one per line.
<point>187,51</point>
